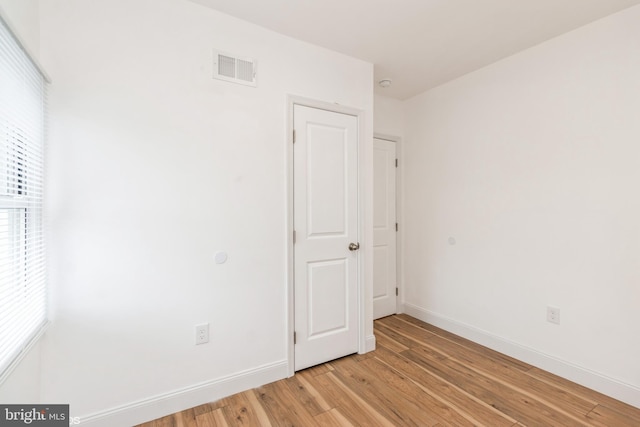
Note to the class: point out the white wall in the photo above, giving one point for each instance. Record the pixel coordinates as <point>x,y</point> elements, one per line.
<point>23,16</point>
<point>23,383</point>
<point>388,116</point>
<point>155,166</point>
<point>532,165</point>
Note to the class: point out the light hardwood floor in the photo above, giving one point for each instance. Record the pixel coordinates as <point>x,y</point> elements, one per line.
<point>419,375</point>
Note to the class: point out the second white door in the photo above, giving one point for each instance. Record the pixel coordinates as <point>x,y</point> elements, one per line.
<point>325,180</point>
<point>384,228</point>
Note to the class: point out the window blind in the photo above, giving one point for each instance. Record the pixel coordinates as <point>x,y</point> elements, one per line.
<point>23,301</point>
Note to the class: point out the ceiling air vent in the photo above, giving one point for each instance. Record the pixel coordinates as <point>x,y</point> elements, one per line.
<point>234,69</point>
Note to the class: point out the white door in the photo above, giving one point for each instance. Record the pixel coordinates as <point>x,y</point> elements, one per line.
<point>384,228</point>
<point>325,221</point>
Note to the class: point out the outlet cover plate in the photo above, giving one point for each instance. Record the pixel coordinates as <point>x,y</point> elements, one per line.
<point>553,315</point>
<point>202,333</point>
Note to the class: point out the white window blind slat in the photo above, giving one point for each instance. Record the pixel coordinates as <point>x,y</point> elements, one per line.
<point>23,293</point>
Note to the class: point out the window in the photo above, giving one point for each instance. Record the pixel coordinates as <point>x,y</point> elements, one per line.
<point>22,258</point>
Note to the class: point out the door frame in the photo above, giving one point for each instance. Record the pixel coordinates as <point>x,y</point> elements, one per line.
<point>363,236</point>
<point>399,218</point>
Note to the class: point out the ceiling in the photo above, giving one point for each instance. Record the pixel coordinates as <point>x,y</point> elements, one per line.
<point>420,44</point>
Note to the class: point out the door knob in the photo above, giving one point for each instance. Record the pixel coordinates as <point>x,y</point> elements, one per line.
<point>354,246</point>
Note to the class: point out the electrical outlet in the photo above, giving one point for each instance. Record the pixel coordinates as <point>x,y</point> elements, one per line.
<point>553,315</point>
<point>202,333</point>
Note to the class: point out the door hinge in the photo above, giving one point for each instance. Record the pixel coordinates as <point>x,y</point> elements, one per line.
<point>294,237</point>
<point>396,291</point>
<point>396,226</point>
<point>396,162</point>
<point>294,136</point>
<point>294,338</point>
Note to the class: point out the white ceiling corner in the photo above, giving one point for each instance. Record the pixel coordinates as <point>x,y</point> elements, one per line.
<point>420,44</point>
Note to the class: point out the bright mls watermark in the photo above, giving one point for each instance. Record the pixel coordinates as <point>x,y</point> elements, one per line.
<point>36,415</point>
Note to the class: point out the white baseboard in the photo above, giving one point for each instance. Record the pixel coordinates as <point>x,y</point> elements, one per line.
<point>611,387</point>
<point>370,343</point>
<point>188,397</point>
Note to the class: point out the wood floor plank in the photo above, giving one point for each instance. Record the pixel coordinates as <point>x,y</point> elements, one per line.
<point>306,396</point>
<point>186,418</point>
<point>208,407</point>
<point>312,392</point>
<point>498,369</point>
<point>570,394</point>
<point>332,418</point>
<point>400,341</point>
<point>273,406</point>
<point>168,421</point>
<point>603,416</point>
<point>360,357</point>
<point>506,399</point>
<point>419,375</point>
<point>258,409</point>
<point>462,341</point>
<point>425,336</point>
<point>388,342</point>
<point>213,418</point>
<point>219,418</point>
<point>502,370</point>
<point>384,397</point>
<point>319,369</point>
<point>238,411</point>
<point>281,406</point>
<point>409,390</point>
<point>481,412</point>
<point>347,402</point>
<point>586,393</point>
